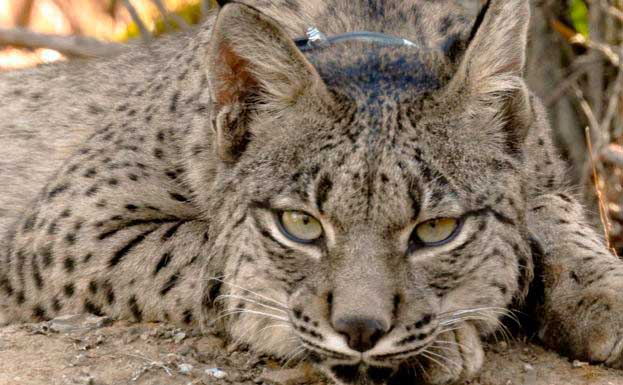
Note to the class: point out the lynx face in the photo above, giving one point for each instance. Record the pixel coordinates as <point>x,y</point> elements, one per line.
<point>373,211</point>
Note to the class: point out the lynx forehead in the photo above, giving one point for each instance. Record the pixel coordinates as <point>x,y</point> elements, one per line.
<point>378,206</point>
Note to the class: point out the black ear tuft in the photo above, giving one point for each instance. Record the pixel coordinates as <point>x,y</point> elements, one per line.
<point>479,20</point>
<point>222,3</point>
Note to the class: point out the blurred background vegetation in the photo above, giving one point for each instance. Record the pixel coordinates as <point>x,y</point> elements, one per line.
<point>575,66</point>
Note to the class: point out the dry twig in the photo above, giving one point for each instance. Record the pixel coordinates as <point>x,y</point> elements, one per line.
<point>576,38</point>
<point>603,207</point>
<point>171,18</point>
<point>137,19</point>
<point>610,9</point>
<point>75,46</point>
<point>613,105</point>
<point>588,112</point>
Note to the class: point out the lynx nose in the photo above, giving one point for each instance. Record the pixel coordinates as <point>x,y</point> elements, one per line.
<point>361,333</point>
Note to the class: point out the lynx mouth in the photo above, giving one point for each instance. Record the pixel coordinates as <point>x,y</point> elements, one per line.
<point>365,374</point>
<point>362,374</point>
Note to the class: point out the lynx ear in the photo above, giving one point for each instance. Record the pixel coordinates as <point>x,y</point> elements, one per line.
<point>492,67</point>
<point>253,65</point>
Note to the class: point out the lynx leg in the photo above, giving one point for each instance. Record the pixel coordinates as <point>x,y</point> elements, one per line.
<point>581,307</point>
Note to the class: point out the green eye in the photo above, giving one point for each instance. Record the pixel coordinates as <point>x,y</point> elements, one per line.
<point>436,231</point>
<point>299,226</point>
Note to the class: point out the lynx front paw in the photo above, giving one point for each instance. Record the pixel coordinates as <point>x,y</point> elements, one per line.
<point>588,326</point>
<point>456,355</point>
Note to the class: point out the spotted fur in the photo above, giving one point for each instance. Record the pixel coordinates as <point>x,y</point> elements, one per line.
<point>147,187</point>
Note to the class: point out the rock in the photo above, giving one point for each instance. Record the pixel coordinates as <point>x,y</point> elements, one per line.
<point>185,368</point>
<point>207,348</point>
<point>179,337</point>
<point>78,322</point>
<point>579,364</point>
<point>185,350</point>
<point>528,368</point>
<point>293,376</point>
<point>216,373</point>
<point>209,343</point>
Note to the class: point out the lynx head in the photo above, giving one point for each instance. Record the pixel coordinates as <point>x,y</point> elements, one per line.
<point>366,200</point>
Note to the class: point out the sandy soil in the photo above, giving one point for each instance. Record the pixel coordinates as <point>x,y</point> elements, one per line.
<point>86,350</point>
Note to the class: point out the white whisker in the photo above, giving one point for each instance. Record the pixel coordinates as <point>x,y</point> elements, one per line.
<point>448,360</point>
<point>252,292</point>
<point>298,351</point>
<point>239,311</point>
<point>443,366</point>
<point>444,348</point>
<point>249,300</point>
<point>285,326</point>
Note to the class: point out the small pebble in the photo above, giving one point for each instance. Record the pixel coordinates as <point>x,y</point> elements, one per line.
<point>179,337</point>
<point>216,373</point>
<point>579,364</point>
<point>185,350</point>
<point>528,367</point>
<point>185,368</point>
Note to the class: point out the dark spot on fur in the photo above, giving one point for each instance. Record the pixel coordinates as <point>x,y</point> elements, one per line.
<point>69,264</point>
<point>56,305</point>
<point>38,313</point>
<point>70,238</point>
<point>169,284</point>
<point>163,262</point>
<point>178,197</point>
<point>69,290</point>
<point>174,100</point>
<point>90,173</point>
<point>122,252</point>
<point>90,307</point>
<point>93,287</point>
<point>131,207</point>
<point>57,190</point>
<point>323,188</point>
<point>135,309</point>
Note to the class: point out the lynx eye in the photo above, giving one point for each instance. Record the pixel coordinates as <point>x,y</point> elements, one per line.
<point>299,226</point>
<point>436,231</point>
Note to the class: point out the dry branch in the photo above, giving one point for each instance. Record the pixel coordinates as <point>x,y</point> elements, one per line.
<point>576,38</point>
<point>171,18</point>
<point>613,104</point>
<point>23,11</point>
<point>73,46</point>
<point>593,123</point>
<point>137,19</point>
<point>610,9</point>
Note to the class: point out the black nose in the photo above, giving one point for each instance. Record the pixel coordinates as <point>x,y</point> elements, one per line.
<point>362,333</point>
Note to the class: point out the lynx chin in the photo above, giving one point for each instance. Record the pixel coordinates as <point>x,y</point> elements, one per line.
<point>381,206</point>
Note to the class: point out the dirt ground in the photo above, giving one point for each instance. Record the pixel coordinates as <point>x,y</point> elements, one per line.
<point>87,350</point>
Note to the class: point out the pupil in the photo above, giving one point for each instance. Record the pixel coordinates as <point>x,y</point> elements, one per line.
<point>305,220</point>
